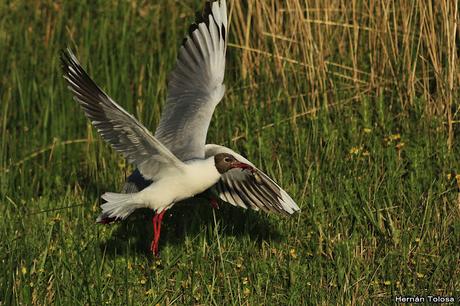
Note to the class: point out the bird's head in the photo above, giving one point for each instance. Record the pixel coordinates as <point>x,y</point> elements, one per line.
<point>225,162</point>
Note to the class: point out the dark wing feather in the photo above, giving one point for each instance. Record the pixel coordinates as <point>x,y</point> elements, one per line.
<point>251,189</point>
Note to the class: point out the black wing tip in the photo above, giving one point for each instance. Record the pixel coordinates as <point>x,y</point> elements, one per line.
<point>83,88</point>
<point>223,32</point>
<point>200,17</point>
<point>65,60</point>
<point>68,60</point>
<point>203,17</point>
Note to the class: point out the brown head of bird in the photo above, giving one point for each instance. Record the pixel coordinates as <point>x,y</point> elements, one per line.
<point>225,162</point>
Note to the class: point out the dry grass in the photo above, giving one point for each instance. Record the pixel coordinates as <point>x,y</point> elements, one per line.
<point>402,51</point>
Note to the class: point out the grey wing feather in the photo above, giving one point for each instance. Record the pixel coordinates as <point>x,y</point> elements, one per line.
<point>255,190</point>
<point>120,129</point>
<point>195,86</point>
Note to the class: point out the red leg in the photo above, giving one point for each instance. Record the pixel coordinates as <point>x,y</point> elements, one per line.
<point>213,202</point>
<point>157,219</point>
<point>160,219</point>
<point>154,222</point>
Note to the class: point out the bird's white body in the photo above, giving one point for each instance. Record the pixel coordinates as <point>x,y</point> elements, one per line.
<point>173,186</point>
<point>196,177</point>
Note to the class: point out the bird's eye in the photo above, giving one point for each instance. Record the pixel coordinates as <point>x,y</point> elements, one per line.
<point>227,159</point>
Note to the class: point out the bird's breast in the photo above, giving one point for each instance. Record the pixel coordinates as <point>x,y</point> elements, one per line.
<point>178,186</point>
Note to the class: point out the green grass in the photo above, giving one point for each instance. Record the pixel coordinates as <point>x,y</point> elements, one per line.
<point>380,213</point>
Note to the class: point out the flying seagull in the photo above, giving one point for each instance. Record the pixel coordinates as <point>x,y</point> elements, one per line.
<point>176,163</point>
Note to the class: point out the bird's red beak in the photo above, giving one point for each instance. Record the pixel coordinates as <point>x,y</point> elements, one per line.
<point>242,166</point>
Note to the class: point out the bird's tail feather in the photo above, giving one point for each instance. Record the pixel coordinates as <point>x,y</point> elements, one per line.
<point>118,207</point>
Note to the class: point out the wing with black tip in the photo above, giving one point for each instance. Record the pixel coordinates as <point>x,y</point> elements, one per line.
<point>120,129</point>
<point>251,189</point>
<point>196,84</point>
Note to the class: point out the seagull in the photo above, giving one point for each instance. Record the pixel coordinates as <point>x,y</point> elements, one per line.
<point>175,163</point>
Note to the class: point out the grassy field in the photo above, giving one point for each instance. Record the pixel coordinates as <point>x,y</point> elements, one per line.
<point>352,107</point>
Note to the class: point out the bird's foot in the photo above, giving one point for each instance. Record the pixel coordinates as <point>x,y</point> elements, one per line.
<point>154,247</point>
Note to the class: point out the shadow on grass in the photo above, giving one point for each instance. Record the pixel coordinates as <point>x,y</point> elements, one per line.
<point>186,219</point>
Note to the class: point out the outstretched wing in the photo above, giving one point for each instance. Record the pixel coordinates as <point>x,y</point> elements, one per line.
<point>120,129</point>
<point>195,85</point>
<point>255,190</point>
